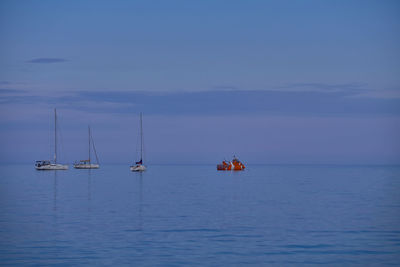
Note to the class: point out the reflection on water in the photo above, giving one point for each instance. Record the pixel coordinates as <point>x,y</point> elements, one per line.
<point>55,191</point>
<point>136,200</point>
<point>140,204</point>
<point>89,188</point>
<point>188,215</point>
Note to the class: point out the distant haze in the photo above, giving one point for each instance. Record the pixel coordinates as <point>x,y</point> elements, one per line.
<point>269,81</point>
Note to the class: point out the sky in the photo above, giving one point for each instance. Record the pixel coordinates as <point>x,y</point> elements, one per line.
<point>273,82</point>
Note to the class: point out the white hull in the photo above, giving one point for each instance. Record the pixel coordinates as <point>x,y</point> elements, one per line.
<point>52,167</point>
<point>86,166</point>
<point>138,168</point>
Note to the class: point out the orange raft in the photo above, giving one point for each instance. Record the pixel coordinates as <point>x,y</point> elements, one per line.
<point>234,165</point>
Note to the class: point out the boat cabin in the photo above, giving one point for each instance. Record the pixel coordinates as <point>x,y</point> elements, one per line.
<point>40,163</point>
<point>83,161</point>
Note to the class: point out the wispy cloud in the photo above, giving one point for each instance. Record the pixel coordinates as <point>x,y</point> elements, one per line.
<point>312,86</point>
<point>221,102</point>
<point>11,91</point>
<point>46,60</point>
<point>383,93</point>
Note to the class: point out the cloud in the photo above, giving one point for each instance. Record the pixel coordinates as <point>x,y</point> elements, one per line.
<point>384,93</point>
<point>11,91</point>
<point>349,87</point>
<point>221,102</point>
<point>47,60</point>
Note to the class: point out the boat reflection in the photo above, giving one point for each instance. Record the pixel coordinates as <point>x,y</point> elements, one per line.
<point>140,202</point>
<point>89,189</point>
<point>55,192</point>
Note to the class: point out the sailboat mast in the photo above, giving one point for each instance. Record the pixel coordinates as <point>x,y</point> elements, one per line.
<point>94,148</point>
<point>141,137</point>
<point>55,136</point>
<point>89,143</point>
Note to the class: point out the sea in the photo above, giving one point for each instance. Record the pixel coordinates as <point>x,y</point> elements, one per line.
<point>194,215</point>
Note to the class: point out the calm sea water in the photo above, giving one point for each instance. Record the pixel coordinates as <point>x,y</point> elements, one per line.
<point>194,215</point>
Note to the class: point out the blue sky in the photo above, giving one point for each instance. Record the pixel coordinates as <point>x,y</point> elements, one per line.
<point>270,81</point>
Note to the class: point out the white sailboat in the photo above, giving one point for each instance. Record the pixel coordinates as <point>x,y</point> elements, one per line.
<point>86,163</point>
<point>139,167</point>
<point>47,164</point>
